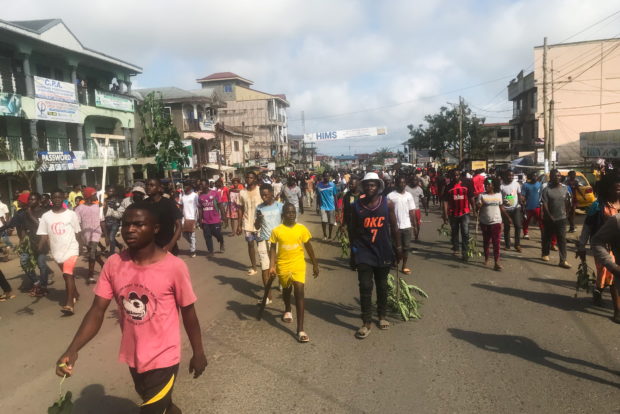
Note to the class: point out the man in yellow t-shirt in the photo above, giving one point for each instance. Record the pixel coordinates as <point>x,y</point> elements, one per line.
<point>287,262</point>
<point>76,192</point>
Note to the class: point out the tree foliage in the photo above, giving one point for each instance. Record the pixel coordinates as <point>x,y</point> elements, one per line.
<point>440,134</point>
<point>25,171</point>
<point>378,158</point>
<point>160,138</point>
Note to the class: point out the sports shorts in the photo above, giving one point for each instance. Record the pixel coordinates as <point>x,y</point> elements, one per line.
<point>155,388</point>
<point>263,253</point>
<point>251,236</point>
<point>287,278</point>
<point>328,216</point>
<point>68,265</point>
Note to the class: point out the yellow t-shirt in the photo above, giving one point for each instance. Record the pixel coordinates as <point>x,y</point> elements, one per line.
<point>72,196</point>
<point>290,242</point>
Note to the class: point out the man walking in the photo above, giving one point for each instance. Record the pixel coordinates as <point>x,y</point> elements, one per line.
<point>327,199</point>
<point>249,199</point>
<point>170,217</point>
<point>189,203</point>
<point>211,221</point>
<point>404,207</point>
<point>373,219</point>
<point>458,202</point>
<point>511,195</point>
<point>531,194</point>
<point>292,194</point>
<point>556,203</point>
<point>420,200</point>
<point>268,217</point>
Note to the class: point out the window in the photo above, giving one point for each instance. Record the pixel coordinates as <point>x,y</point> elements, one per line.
<point>44,71</point>
<point>228,88</point>
<point>167,112</point>
<point>236,146</point>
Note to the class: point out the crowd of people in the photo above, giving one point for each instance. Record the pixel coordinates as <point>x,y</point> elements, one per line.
<point>378,214</point>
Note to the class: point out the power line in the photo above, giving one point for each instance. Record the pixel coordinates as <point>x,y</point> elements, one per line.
<point>608,52</point>
<point>591,26</point>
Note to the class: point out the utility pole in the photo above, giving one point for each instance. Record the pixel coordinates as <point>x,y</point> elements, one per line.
<point>551,135</point>
<point>545,127</point>
<point>460,129</point>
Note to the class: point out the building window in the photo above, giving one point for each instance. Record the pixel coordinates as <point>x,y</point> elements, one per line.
<point>167,112</point>
<point>228,88</point>
<point>236,146</point>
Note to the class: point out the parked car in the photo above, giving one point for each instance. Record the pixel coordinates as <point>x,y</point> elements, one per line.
<point>585,193</point>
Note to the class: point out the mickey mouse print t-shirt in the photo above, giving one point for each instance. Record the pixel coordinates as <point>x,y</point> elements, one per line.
<point>148,298</point>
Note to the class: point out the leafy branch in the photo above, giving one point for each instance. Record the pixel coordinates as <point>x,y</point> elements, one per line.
<point>401,298</point>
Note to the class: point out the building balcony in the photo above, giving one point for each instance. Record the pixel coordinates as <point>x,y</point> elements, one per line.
<point>14,149</point>
<point>105,99</point>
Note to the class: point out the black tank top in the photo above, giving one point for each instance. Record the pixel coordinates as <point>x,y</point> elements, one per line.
<point>372,244</point>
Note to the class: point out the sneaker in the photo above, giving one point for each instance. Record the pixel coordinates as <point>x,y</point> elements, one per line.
<point>252,272</point>
<point>565,265</point>
<point>92,280</point>
<point>260,301</point>
<point>193,254</point>
<point>545,258</point>
<point>526,237</point>
<point>554,248</point>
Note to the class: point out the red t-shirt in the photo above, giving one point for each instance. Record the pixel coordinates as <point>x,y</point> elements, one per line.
<point>223,193</point>
<point>457,196</point>
<point>478,181</point>
<point>148,298</point>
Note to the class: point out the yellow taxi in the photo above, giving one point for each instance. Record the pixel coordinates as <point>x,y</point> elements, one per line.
<point>585,193</point>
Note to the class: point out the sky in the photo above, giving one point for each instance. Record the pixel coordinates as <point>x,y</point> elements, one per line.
<point>344,63</point>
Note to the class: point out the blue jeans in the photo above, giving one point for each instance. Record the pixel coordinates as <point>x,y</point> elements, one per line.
<point>42,265</point>
<point>212,230</point>
<point>460,224</point>
<point>111,228</point>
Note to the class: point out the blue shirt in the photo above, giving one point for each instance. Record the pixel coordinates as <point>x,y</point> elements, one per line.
<point>531,192</point>
<point>272,217</point>
<point>327,195</point>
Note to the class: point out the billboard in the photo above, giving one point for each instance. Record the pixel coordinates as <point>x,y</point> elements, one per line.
<point>10,104</point>
<point>344,134</point>
<point>62,160</point>
<point>111,101</point>
<point>600,144</point>
<point>54,90</point>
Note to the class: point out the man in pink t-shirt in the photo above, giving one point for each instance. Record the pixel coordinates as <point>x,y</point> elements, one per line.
<point>149,285</point>
<point>210,217</point>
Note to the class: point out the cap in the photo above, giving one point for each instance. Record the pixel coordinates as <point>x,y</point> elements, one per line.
<point>23,198</point>
<point>138,189</point>
<point>373,176</point>
<point>88,192</point>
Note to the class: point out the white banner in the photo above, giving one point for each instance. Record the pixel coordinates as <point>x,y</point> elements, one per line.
<point>57,111</point>
<point>54,90</point>
<point>345,133</point>
<point>110,101</point>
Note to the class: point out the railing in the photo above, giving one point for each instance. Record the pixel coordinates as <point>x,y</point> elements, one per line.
<point>116,150</point>
<point>14,148</point>
<point>58,144</point>
<point>191,125</point>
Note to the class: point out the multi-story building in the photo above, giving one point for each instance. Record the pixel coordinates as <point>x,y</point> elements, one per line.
<point>261,114</point>
<point>56,96</point>
<point>583,81</point>
<point>500,142</point>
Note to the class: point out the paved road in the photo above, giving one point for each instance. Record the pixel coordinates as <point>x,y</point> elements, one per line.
<point>515,341</point>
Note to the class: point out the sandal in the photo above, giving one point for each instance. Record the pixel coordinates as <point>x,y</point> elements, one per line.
<point>252,272</point>
<point>302,337</point>
<point>287,317</point>
<point>67,310</point>
<point>384,325</point>
<point>498,267</point>
<point>362,332</point>
<point>406,271</point>
<point>7,296</point>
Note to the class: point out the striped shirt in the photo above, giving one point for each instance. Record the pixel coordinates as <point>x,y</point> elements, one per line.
<point>457,196</point>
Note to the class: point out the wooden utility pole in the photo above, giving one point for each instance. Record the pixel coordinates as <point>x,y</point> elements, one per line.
<point>460,129</point>
<point>551,135</point>
<point>545,126</point>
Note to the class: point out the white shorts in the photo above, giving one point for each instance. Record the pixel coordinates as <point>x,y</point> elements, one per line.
<point>263,254</point>
<point>328,216</point>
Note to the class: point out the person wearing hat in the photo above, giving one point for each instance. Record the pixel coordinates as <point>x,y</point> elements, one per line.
<point>90,223</point>
<point>375,245</point>
<point>137,194</point>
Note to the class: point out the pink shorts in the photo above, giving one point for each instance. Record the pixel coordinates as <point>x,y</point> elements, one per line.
<point>68,266</point>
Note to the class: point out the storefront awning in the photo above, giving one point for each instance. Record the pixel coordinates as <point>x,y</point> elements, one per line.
<point>216,167</point>
<point>199,135</point>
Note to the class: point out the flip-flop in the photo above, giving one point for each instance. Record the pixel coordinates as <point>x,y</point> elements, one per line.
<point>287,317</point>
<point>383,324</point>
<point>252,272</point>
<point>406,271</point>
<point>67,310</point>
<point>6,297</point>
<point>302,337</point>
<point>362,332</point>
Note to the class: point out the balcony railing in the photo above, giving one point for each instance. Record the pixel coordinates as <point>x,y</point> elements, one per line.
<point>14,148</point>
<point>116,150</point>
<point>57,144</point>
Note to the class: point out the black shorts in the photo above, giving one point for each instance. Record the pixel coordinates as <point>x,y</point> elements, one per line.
<point>93,250</point>
<point>155,388</point>
<point>405,239</point>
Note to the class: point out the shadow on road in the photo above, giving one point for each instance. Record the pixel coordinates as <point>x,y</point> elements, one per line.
<point>562,302</point>
<point>93,400</point>
<point>333,313</point>
<point>241,285</point>
<point>568,284</point>
<point>225,262</point>
<point>529,350</point>
<point>249,312</point>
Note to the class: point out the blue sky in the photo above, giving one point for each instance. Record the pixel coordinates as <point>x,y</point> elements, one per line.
<point>336,60</point>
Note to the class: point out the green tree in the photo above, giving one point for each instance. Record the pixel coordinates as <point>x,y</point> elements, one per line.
<point>440,134</point>
<point>378,158</point>
<point>160,138</point>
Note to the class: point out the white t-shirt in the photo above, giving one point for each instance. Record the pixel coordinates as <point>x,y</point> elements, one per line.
<point>61,229</point>
<point>490,212</point>
<point>190,206</point>
<point>4,211</point>
<point>403,203</point>
<point>510,195</point>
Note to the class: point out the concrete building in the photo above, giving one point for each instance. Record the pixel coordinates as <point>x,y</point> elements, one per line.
<point>583,79</point>
<point>500,142</point>
<point>55,93</point>
<point>261,114</point>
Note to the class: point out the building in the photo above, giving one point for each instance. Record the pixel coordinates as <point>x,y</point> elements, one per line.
<point>500,142</point>
<point>261,114</point>
<point>194,115</point>
<point>346,162</point>
<point>583,81</point>
<point>56,96</point>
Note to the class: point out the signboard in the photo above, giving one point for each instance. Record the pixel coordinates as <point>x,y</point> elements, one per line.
<point>207,125</point>
<point>10,104</point>
<point>343,134</point>
<point>54,90</point>
<point>111,101</point>
<point>62,160</point>
<point>390,161</point>
<point>57,110</point>
<point>478,165</point>
<point>271,166</point>
<point>600,144</point>
<point>213,157</point>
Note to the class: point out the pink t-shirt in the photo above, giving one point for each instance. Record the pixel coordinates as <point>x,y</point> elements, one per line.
<point>148,298</point>
<point>208,202</point>
<point>90,223</point>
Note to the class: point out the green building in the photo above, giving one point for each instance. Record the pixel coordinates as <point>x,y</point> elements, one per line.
<point>55,94</point>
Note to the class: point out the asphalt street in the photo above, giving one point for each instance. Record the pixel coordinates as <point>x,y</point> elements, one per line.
<point>516,341</point>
